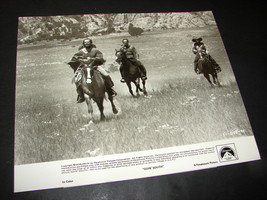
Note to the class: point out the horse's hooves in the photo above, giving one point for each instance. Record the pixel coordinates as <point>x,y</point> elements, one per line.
<point>115,111</point>
<point>89,123</point>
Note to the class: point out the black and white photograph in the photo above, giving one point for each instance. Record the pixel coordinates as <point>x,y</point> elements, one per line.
<point>147,89</point>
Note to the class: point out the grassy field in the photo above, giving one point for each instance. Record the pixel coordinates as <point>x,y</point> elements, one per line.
<point>181,107</point>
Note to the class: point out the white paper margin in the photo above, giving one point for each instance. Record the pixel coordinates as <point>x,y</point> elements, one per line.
<point>49,174</point>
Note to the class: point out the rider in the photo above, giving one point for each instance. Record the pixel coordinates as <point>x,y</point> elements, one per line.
<point>199,46</point>
<point>93,57</point>
<point>132,55</point>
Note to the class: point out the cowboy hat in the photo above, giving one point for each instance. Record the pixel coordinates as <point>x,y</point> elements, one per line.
<point>196,38</point>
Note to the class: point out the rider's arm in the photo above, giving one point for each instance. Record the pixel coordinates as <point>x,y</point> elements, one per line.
<point>194,49</point>
<point>97,58</point>
<point>133,50</point>
<point>77,56</point>
<point>205,48</point>
<point>98,55</point>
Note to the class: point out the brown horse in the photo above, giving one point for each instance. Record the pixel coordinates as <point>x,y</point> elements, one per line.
<point>206,67</point>
<point>131,74</point>
<point>94,89</point>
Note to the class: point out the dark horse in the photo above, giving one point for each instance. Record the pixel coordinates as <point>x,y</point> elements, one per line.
<point>206,67</point>
<point>93,87</point>
<point>131,74</point>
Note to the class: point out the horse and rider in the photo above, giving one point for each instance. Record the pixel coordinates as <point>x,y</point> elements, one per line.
<point>203,62</point>
<point>132,56</point>
<point>200,49</point>
<point>89,56</point>
<point>91,79</point>
<point>131,68</point>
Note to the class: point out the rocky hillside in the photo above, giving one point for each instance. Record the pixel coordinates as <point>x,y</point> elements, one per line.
<point>34,29</point>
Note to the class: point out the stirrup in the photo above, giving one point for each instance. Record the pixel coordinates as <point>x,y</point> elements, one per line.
<point>80,99</point>
<point>143,78</point>
<point>112,92</point>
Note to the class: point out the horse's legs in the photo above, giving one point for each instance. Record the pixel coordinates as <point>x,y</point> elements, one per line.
<point>86,90</point>
<point>214,77</point>
<point>130,87</point>
<point>114,109</point>
<point>208,78</point>
<point>217,80</point>
<point>101,109</point>
<point>89,106</point>
<point>137,85</point>
<point>144,87</point>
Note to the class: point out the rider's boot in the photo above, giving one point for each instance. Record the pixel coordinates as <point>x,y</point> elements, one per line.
<point>109,84</point>
<point>122,77</point>
<point>80,97</point>
<point>143,77</point>
<point>196,69</point>
<point>143,70</point>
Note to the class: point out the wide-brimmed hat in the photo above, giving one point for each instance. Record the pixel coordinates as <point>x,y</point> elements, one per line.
<point>196,38</point>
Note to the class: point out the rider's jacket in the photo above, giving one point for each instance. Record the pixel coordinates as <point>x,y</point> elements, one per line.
<point>199,47</point>
<point>95,56</point>
<point>130,51</point>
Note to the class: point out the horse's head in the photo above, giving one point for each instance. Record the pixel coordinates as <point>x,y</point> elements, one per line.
<point>119,55</point>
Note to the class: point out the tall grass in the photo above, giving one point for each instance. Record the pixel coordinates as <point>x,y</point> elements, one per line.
<point>170,117</point>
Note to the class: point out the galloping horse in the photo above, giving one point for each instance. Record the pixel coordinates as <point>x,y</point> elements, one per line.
<point>205,67</point>
<point>131,74</point>
<point>93,88</point>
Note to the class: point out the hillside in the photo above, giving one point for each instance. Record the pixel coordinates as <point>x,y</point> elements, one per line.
<point>34,29</point>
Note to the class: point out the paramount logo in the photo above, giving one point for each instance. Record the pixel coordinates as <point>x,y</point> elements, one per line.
<point>227,152</point>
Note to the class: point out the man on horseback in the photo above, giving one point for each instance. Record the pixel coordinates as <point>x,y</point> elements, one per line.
<point>94,59</point>
<point>199,48</point>
<point>132,55</point>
